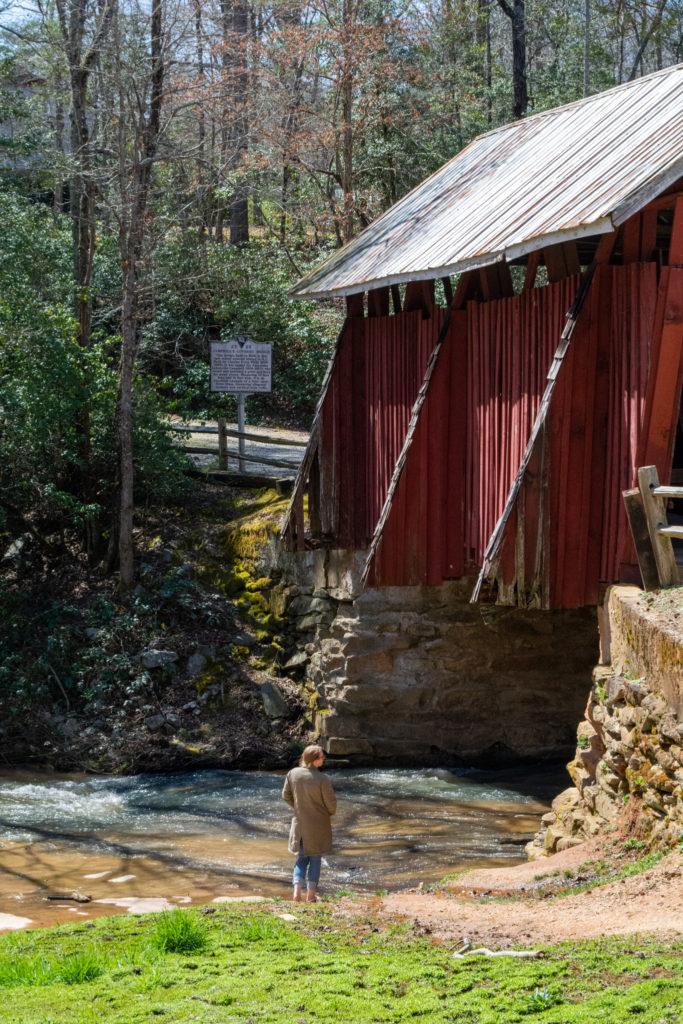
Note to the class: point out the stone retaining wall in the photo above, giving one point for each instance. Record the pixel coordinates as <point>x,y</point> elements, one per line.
<point>629,754</point>
<point>419,674</point>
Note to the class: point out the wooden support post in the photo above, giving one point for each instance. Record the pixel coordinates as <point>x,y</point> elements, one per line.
<point>314,497</point>
<point>467,288</point>
<point>506,288</point>
<point>222,443</point>
<point>676,247</point>
<point>603,253</point>
<point>637,519</point>
<point>354,304</point>
<point>520,581</point>
<point>396,298</point>
<point>663,395</point>
<point>655,513</point>
<point>298,518</point>
<point>648,235</point>
<point>419,295</point>
<point>496,281</point>
<point>531,270</point>
<point>561,260</point>
<point>631,239</point>
<point>639,237</point>
<point>378,302</point>
<point>447,290</point>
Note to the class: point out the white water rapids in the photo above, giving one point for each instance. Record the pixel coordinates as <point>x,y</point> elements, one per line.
<point>207,835</point>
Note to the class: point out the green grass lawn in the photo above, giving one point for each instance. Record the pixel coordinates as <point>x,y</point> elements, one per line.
<point>251,967</point>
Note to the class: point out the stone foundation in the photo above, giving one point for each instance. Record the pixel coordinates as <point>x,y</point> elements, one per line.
<point>418,674</point>
<point>629,756</point>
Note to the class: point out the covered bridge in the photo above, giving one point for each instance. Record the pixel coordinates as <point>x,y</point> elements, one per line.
<point>492,430</point>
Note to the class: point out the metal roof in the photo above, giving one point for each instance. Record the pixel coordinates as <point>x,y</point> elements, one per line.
<point>577,170</point>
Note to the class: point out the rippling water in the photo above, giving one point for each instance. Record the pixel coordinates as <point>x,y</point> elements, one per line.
<point>200,834</point>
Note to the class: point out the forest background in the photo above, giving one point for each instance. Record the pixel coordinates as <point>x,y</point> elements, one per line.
<point>168,168</point>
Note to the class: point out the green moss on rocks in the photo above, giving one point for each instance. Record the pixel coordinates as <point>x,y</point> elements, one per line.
<point>245,537</point>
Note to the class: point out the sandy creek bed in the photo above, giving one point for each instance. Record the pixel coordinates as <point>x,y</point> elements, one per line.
<point>194,838</point>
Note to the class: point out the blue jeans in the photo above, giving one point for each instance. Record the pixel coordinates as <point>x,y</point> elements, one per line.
<point>303,864</point>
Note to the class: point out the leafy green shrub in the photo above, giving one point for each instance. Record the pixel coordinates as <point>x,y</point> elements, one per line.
<point>179,931</point>
<point>210,295</point>
<point>58,458</point>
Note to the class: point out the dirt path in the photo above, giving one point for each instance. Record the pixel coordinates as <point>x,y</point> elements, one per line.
<point>505,907</point>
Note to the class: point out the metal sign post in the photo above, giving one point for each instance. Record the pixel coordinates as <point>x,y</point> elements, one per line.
<point>241,367</point>
<point>240,426</point>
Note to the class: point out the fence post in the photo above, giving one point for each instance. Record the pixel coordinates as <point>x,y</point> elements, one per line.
<point>635,512</point>
<point>655,512</point>
<point>240,426</point>
<point>222,443</point>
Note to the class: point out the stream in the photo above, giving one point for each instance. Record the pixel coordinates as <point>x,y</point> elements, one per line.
<point>145,842</point>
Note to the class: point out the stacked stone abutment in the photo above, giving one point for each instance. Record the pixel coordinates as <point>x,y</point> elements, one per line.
<point>628,764</point>
<point>420,675</point>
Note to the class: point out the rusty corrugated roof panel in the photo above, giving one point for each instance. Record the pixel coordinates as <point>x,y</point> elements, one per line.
<point>562,174</point>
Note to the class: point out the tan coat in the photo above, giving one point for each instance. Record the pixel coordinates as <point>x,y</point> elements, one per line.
<point>311,795</point>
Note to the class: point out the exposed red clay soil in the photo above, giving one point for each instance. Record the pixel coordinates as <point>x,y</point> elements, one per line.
<point>505,907</point>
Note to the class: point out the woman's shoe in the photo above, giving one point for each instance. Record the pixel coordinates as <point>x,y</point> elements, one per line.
<point>297,894</point>
<point>311,895</point>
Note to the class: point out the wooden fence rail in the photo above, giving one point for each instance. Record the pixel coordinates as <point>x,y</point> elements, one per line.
<point>257,438</point>
<point>646,508</point>
<point>223,432</point>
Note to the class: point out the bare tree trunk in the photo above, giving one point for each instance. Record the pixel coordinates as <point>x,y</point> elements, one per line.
<point>201,127</point>
<point>289,124</point>
<point>235,27</point>
<point>516,15</point>
<point>131,240</point>
<point>239,201</point>
<point>82,206</point>
<point>489,66</point>
<point>347,119</point>
<point>645,39</point>
<point>125,414</point>
<point>58,197</point>
<point>72,16</point>
<point>586,48</point>
<point>483,38</point>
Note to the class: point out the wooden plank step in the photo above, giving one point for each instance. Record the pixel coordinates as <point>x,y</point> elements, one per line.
<point>665,491</point>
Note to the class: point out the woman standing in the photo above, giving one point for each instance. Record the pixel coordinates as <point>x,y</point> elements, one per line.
<point>311,795</point>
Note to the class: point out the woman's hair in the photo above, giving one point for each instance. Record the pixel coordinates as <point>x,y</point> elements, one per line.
<point>310,755</point>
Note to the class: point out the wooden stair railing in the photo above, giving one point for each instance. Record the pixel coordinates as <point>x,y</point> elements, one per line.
<point>646,508</point>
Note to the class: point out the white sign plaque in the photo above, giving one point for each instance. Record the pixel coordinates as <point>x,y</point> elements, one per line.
<point>241,367</point>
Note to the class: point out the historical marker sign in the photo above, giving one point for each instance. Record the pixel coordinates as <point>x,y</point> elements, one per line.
<point>241,366</point>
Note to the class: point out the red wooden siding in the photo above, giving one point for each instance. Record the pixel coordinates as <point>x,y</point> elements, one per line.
<point>378,371</point>
<point>422,539</point>
<point>632,347</point>
<point>569,529</point>
<point>614,407</point>
<point>510,346</point>
<point>665,378</point>
<point>591,439</point>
